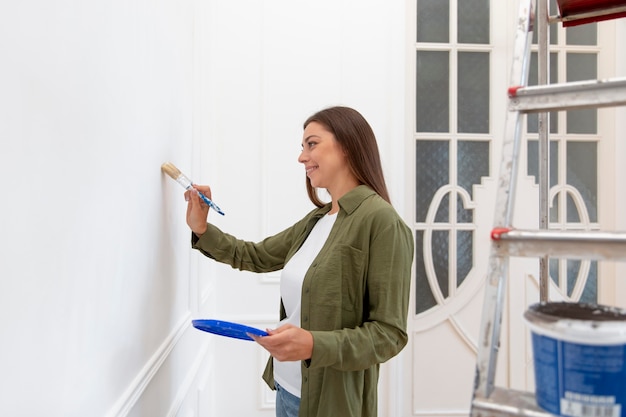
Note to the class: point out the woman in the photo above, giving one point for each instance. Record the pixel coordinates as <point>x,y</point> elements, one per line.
<point>345,277</point>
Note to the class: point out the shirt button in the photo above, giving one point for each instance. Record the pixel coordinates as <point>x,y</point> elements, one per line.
<point>306,290</point>
<point>306,379</point>
<point>305,319</point>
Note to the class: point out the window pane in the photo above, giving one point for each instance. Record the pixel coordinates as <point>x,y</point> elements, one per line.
<point>473,92</point>
<point>465,255</point>
<point>532,119</point>
<point>463,215</point>
<point>590,294</point>
<point>580,67</point>
<point>432,167</point>
<point>533,169</point>
<point>443,211</point>
<point>433,21</point>
<point>572,212</point>
<point>472,163</point>
<point>533,161</point>
<point>473,21</point>
<point>582,121</point>
<point>424,299</point>
<point>552,29</point>
<point>582,34</point>
<point>441,245</point>
<point>432,91</point>
<point>582,169</point>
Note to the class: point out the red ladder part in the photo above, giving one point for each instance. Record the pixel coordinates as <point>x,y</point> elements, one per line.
<point>589,11</point>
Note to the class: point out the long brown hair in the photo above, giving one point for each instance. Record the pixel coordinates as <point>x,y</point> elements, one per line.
<point>357,139</point>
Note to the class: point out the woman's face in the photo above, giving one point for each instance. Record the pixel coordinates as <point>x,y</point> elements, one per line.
<point>323,158</point>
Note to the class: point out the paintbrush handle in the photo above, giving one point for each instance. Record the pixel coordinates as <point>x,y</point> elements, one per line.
<point>188,185</point>
<point>210,203</point>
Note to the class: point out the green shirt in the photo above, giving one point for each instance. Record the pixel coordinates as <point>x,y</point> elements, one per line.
<point>355,297</point>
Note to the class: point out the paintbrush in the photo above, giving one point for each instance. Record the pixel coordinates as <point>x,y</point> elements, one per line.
<point>187,184</point>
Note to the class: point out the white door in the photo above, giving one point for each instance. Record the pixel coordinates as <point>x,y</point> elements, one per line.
<point>461,66</point>
<point>460,63</point>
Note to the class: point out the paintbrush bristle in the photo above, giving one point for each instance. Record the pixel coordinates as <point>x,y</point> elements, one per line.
<point>170,170</point>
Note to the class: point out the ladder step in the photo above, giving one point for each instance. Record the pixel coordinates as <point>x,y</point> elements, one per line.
<point>572,244</point>
<point>567,96</point>
<point>579,12</point>
<point>505,402</point>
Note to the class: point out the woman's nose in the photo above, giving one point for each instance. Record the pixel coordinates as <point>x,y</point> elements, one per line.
<point>302,157</point>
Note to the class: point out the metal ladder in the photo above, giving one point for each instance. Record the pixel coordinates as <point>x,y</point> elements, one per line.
<point>489,400</point>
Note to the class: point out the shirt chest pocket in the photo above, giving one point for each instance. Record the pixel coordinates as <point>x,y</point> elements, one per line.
<point>340,282</point>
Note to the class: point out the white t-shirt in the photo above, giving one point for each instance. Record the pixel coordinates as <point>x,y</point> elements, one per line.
<point>288,374</point>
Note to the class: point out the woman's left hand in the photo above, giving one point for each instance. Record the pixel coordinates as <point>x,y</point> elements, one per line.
<point>287,343</point>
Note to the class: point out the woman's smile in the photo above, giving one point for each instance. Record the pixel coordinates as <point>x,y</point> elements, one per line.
<point>310,169</point>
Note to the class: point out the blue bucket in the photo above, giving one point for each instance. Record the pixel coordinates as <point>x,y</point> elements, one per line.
<point>579,354</point>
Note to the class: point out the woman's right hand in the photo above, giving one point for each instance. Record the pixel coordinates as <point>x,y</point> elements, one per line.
<point>197,210</point>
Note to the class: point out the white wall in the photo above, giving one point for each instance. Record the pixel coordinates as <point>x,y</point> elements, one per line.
<point>97,281</point>
<point>274,63</point>
<point>95,298</point>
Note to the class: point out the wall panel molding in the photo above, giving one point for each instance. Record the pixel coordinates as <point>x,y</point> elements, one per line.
<point>133,393</point>
<point>193,375</point>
